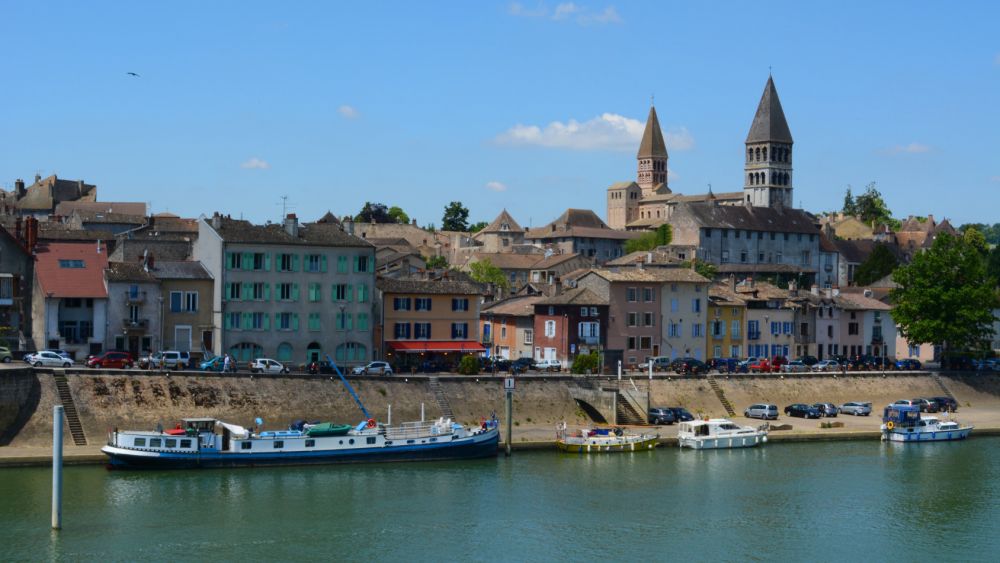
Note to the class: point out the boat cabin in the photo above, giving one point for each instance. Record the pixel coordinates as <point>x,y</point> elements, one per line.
<point>707,428</point>
<point>901,416</point>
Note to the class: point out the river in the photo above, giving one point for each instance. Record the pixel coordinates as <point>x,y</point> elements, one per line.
<point>819,501</point>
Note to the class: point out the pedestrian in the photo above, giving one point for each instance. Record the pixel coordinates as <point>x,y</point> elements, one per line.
<point>225,363</point>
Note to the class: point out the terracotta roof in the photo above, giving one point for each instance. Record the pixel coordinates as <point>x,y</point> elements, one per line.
<point>654,275</point>
<point>60,281</point>
<point>521,306</point>
<point>655,257</point>
<point>652,145</point>
<point>311,234</point>
<point>731,268</point>
<point>436,287</point>
<point>578,223</point>
<point>769,122</point>
<point>555,260</point>
<point>575,296</point>
<point>506,260</point>
<point>496,226</point>
<point>128,272</point>
<point>67,208</point>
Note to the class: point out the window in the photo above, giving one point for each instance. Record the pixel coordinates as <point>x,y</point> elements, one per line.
<point>259,261</point>
<point>314,322</point>
<point>363,293</point>
<point>673,330</point>
<point>459,330</point>
<point>648,319</point>
<point>631,343</point>
<point>315,263</point>
<point>141,442</point>
<point>583,311</point>
<point>631,295</point>
<point>233,291</point>
<point>718,328</point>
<point>278,444</point>
<point>422,304</point>
<point>696,305</point>
<point>717,352</point>
<point>288,262</point>
<point>460,304</point>
<point>589,330</point>
<point>775,327</point>
<point>734,351</point>
<point>829,331</point>
<point>344,321</point>
<point>753,330</point>
<point>190,301</point>
<point>696,330</point>
<point>371,440</point>
<point>593,311</point>
<point>725,256</point>
<point>648,295</point>
<point>233,321</point>
<point>852,328</point>
<point>422,331</point>
<point>734,328</point>
<point>257,321</point>
<point>743,256</point>
<point>674,305</point>
<point>310,443</point>
<point>529,336</point>
<point>341,292</point>
<point>71,264</point>
<point>246,445</point>
<point>287,321</point>
<point>401,330</point>
<point>633,319</point>
<point>804,329</point>
<point>176,301</point>
<point>285,291</point>
<point>361,264</point>
<point>645,342</point>
<point>155,442</point>
<point>550,329</point>
<point>234,261</point>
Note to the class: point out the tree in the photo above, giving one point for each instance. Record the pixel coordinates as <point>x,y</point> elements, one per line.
<point>850,207</point>
<point>945,296</point>
<point>871,208</point>
<point>469,365</point>
<point>879,264</point>
<point>648,241</point>
<point>703,269</point>
<point>993,264</point>
<point>483,271</point>
<point>476,227</point>
<point>456,217</point>
<point>398,215</point>
<point>586,363</point>
<point>436,262</point>
<point>374,213</point>
<point>991,232</point>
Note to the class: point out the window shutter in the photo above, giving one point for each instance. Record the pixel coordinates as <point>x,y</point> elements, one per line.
<point>362,293</point>
<point>226,321</point>
<point>229,260</point>
<point>295,292</point>
<point>295,263</point>
<point>295,321</point>
<point>267,322</point>
<point>348,321</point>
<point>229,287</point>
<point>356,264</point>
<point>267,262</point>
<point>267,292</point>
<point>322,263</point>
<point>349,291</point>
<point>247,261</point>
<point>247,321</point>
<point>246,291</point>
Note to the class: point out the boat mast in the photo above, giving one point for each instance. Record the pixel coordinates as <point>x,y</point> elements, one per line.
<point>349,388</point>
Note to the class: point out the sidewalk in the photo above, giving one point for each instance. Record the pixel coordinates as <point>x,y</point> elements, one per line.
<point>34,456</point>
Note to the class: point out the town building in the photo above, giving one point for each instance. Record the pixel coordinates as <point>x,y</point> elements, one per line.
<point>580,231</point>
<point>134,308</point>
<point>289,291</point>
<point>508,327</point>
<point>725,337</point>
<point>16,277</point>
<point>770,322</point>
<point>186,297</point>
<point>41,198</point>
<point>571,323</point>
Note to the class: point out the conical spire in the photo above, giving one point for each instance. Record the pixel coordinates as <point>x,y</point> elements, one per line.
<point>769,124</point>
<point>652,145</point>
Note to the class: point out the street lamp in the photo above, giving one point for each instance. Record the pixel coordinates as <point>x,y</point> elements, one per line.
<point>767,327</point>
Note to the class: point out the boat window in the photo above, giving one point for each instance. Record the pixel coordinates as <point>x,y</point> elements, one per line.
<point>341,442</point>
<point>185,443</point>
<point>371,440</point>
<point>139,442</point>
<point>246,445</point>
<point>434,439</point>
<point>701,430</point>
<point>279,444</point>
<point>727,426</point>
<point>171,443</point>
<point>351,441</point>
<point>410,441</point>
<point>155,442</point>
<point>310,443</point>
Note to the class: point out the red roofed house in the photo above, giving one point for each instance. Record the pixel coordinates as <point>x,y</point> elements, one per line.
<point>70,299</point>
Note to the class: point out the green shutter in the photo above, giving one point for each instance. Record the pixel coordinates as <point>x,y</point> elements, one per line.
<point>322,263</point>
<point>225,321</point>
<point>295,292</point>
<point>267,292</point>
<point>348,321</point>
<point>362,293</point>
<point>246,291</point>
<point>229,260</point>
<point>247,321</point>
<point>267,262</point>
<point>295,321</point>
<point>349,293</point>
<point>225,295</point>
<point>355,264</point>
<point>295,263</point>
<point>247,260</point>
<point>267,321</point>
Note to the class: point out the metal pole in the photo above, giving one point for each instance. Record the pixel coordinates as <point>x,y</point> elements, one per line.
<point>619,370</point>
<point>389,416</point>
<point>421,412</point>
<point>510,415</point>
<point>651,369</point>
<point>57,455</point>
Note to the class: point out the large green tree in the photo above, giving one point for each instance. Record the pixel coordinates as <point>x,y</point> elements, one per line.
<point>945,296</point>
<point>436,262</point>
<point>850,208</point>
<point>374,213</point>
<point>476,227</point>
<point>483,271</point>
<point>398,214</point>
<point>648,241</point>
<point>456,217</point>
<point>871,208</point>
<point>879,264</point>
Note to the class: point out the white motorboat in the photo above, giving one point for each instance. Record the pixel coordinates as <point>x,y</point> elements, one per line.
<point>903,423</point>
<point>718,433</point>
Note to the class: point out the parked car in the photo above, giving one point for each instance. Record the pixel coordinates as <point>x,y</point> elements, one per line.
<point>946,404</point>
<point>727,365</point>
<point>827,409</point>
<point>681,414</point>
<point>826,365</point>
<point>794,366</point>
<point>267,365</point>
<point>927,405</point>
<point>802,410</point>
<point>215,363</point>
<point>688,366</point>
<point>762,365</point>
<point>522,365</point>
<point>5,355</point>
<point>111,359</point>
<point>373,368</point>
<point>61,353</point>
<point>660,363</point>
<point>48,358</point>
<point>167,359</point>
<point>487,365</point>
<point>809,360</point>
<point>745,364</point>
<point>908,402</point>
<point>660,415</point>
<point>908,364</point>
<point>548,365</point>
<point>856,408</point>
<point>762,410</point>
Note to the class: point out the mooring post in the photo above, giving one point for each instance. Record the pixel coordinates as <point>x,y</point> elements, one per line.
<point>619,370</point>
<point>421,412</point>
<point>57,454</point>
<point>510,416</point>
<point>389,416</point>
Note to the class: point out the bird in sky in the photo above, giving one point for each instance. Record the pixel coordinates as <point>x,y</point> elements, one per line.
<point>132,74</point>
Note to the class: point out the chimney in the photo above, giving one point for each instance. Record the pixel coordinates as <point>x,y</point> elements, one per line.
<point>732,282</point>
<point>868,293</point>
<point>79,187</point>
<point>793,288</point>
<point>98,246</point>
<point>216,221</point>
<point>31,233</point>
<point>814,290</point>
<point>649,257</point>
<point>292,225</point>
<point>38,178</point>
<point>414,222</point>
<point>17,229</point>
<point>750,282</point>
<point>349,224</point>
<point>19,190</point>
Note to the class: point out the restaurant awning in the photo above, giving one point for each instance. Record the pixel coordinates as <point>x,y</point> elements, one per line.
<point>418,346</point>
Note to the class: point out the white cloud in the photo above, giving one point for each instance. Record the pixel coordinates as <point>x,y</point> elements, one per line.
<point>996,60</point>
<point>995,178</point>
<point>348,111</point>
<point>609,131</point>
<point>912,148</point>
<point>566,12</point>
<point>255,164</point>
<point>496,186</point>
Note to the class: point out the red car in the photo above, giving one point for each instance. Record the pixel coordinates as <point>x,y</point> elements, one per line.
<point>118,360</point>
<point>764,365</point>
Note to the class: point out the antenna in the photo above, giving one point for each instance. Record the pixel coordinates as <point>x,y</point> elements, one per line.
<point>285,207</point>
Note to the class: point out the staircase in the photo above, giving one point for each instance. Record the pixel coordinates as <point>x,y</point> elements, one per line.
<point>944,388</point>
<point>69,407</point>
<point>627,414</point>
<point>722,396</point>
<point>441,398</point>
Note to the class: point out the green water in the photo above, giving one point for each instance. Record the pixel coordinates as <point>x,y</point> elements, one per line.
<point>826,501</point>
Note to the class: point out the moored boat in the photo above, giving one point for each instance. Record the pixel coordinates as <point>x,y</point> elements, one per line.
<point>719,433</point>
<point>603,440</point>
<point>903,423</point>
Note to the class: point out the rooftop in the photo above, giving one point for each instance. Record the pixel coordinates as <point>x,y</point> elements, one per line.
<point>71,269</point>
<point>435,287</point>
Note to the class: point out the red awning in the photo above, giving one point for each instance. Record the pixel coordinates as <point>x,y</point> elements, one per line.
<point>417,346</point>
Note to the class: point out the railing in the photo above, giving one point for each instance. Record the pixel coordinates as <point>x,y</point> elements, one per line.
<point>414,430</point>
<point>136,297</point>
<point>753,335</point>
<point>136,324</point>
<point>590,340</point>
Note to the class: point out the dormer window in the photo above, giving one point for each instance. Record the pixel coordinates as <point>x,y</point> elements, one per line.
<point>504,227</point>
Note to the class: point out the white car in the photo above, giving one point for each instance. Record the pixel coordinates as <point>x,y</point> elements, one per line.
<point>48,358</point>
<point>265,365</point>
<point>826,365</point>
<point>794,366</point>
<point>548,365</point>
<point>379,368</point>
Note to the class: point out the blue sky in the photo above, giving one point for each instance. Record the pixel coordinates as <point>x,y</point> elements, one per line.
<point>532,106</point>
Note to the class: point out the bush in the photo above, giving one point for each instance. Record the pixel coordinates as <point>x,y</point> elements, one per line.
<point>585,362</point>
<point>469,365</point>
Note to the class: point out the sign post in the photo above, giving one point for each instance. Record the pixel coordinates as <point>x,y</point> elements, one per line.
<point>508,385</point>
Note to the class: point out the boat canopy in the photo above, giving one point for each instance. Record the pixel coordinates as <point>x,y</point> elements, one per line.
<point>236,430</point>
<point>903,415</point>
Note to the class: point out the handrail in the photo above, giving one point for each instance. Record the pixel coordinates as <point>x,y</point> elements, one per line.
<point>349,388</point>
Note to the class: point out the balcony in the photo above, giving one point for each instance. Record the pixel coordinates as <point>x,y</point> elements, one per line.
<point>753,335</point>
<point>590,340</point>
<point>135,325</point>
<point>135,297</point>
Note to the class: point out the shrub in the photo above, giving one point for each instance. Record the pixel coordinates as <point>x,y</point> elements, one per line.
<point>585,362</point>
<point>469,365</point>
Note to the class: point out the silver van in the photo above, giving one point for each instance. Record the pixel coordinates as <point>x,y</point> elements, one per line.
<point>762,410</point>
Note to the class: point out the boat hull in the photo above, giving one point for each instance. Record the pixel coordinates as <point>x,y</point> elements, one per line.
<point>477,446</point>
<point>725,442</point>
<point>933,436</point>
<point>645,444</point>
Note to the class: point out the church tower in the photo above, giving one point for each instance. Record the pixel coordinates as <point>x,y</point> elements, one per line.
<point>768,169</point>
<point>652,157</point>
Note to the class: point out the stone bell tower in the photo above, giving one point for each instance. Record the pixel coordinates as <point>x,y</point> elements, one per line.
<point>767,174</point>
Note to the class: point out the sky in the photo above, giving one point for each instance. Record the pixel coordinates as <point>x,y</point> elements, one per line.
<point>531,106</point>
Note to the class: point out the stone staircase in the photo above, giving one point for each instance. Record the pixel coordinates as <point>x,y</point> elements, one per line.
<point>69,407</point>
<point>722,396</point>
<point>441,398</point>
<point>627,413</point>
<point>944,388</point>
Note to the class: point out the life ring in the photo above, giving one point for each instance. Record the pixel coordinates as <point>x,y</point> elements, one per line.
<point>371,423</point>
<point>890,425</point>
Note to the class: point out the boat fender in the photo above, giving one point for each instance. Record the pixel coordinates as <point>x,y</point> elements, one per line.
<point>889,425</point>
<point>371,423</point>
<point>763,438</point>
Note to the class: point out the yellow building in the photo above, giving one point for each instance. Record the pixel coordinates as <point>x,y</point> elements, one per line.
<point>725,337</point>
